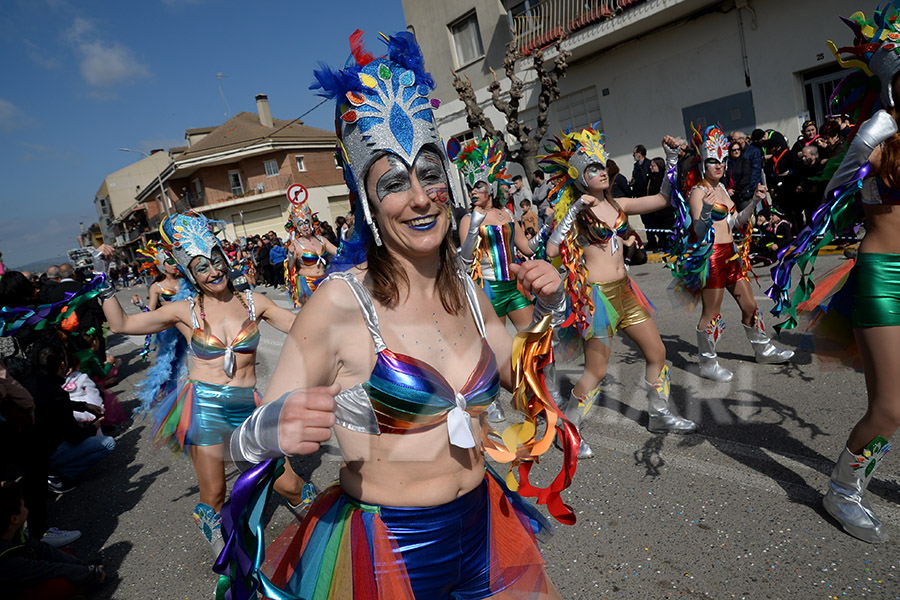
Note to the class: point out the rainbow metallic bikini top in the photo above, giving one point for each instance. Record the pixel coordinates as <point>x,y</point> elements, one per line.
<point>497,252</point>
<point>166,294</point>
<point>206,346</point>
<point>311,259</point>
<point>721,211</point>
<point>598,232</point>
<point>404,394</point>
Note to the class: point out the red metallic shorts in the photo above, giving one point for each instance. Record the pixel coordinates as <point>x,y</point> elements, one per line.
<point>725,267</point>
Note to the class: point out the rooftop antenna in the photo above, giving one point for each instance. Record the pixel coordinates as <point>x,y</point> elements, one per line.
<point>219,77</point>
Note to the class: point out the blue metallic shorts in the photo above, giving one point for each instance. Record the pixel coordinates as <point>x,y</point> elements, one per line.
<point>202,414</point>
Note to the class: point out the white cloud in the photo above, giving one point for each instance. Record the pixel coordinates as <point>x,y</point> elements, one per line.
<point>102,64</point>
<point>105,66</point>
<point>10,116</point>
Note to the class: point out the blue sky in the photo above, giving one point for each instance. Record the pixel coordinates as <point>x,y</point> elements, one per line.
<point>84,78</point>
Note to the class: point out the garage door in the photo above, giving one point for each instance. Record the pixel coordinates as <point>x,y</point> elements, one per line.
<point>259,221</point>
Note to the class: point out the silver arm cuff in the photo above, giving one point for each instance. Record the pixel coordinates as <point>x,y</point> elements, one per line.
<point>745,214</point>
<point>107,291</point>
<point>554,304</point>
<point>562,229</point>
<point>467,253</point>
<point>870,134</point>
<point>701,225</point>
<point>256,439</point>
<point>538,240</point>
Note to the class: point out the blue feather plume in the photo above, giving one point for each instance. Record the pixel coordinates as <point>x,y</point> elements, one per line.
<point>170,366</point>
<point>403,50</point>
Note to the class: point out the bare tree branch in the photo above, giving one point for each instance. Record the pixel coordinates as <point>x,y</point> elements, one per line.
<point>528,137</point>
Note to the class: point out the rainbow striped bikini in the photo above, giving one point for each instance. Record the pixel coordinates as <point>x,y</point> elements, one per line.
<point>404,394</point>
<point>497,251</point>
<point>206,346</point>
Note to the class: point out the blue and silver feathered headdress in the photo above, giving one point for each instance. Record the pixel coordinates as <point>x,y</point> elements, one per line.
<point>189,235</point>
<point>382,106</point>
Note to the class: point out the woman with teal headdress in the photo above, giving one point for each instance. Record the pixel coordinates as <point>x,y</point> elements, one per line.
<point>197,410</point>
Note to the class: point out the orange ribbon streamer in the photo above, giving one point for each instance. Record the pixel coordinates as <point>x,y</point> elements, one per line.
<point>520,447</point>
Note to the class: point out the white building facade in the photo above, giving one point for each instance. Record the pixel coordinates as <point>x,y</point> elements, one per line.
<point>644,68</point>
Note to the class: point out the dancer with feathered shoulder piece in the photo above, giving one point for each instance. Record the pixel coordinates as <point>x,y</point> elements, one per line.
<point>197,409</point>
<point>588,225</point>
<point>708,262</point>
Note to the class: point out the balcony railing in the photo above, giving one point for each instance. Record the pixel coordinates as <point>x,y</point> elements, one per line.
<point>549,20</point>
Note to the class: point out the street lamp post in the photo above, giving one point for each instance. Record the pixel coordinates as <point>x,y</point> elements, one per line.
<point>162,190</point>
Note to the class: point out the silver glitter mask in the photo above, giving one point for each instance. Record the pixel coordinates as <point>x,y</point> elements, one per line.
<point>190,235</point>
<point>391,113</point>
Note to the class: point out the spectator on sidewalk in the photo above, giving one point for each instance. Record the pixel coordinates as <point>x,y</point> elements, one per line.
<point>31,569</point>
<point>810,187</point>
<point>640,173</point>
<point>277,255</point>
<point>753,154</point>
<point>529,217</point>
<point>539,196</point>
<point>617,182</point>
<point>70,447</point>
<point>809,135</point>
<point>521,192</point>
<point>658,220</point>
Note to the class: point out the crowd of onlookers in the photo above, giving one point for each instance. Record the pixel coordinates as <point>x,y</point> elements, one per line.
<point>57,415</point>
<point>793,175</point>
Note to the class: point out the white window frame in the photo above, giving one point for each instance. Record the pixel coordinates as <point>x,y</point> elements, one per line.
<point>271,163</point>
<point>586,103</point>
<point>301,164</point>
<point>456,27</point>
<point>237,173</point>
<point>337,165</point>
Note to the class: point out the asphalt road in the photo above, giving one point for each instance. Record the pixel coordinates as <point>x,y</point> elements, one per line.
<point>731,512</point>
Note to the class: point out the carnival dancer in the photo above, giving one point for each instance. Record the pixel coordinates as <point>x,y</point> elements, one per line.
<point>492,234</point>
<point>603,298</point>
<point>164,268</point>
<point>708,262</point>
<point>307,256</point>
<point>413,354</point>
<point>166,281</point>
<point>491,238</point>
<point>870,169</point>
<point>219,326</point>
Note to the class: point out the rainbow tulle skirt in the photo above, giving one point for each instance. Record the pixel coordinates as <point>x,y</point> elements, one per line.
<point>478,545</point>
<point>201,414</point>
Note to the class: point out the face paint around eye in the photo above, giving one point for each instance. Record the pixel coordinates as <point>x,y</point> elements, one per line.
<point>202,266</point>
<point>395,180</point>
<point>592,171</point>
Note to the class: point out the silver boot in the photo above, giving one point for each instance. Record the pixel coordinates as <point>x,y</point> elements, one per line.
<point>495,412</point>
<point>662,418</point>
<point>846,497</point>
<point>210,524</point>
<point>763,348</point>
<point>576,410</point>
<point>706,346</point>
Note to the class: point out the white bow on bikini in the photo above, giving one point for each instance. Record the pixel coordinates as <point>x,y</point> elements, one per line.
<point>459,424</point>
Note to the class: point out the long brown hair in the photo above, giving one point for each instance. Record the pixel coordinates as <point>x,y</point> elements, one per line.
<point>387,276</point>
<point>584,218</point>
<point>890,157</point>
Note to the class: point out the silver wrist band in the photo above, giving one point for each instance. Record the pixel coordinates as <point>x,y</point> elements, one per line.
<point>562,229</point>
<point>256,439</point>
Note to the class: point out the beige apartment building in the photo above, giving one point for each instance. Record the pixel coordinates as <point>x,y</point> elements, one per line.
<point>238,173</point>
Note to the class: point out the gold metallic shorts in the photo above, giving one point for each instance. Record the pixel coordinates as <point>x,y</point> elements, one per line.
<point>623,300</point>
